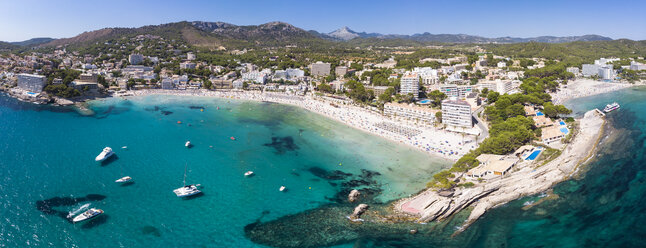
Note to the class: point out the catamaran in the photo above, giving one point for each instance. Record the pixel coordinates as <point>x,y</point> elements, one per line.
<point>106,153</point>
<point>187,190</point>
<point>611,107</point>
<point>91,213</point>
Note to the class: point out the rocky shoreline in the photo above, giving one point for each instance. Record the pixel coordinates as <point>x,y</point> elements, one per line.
<point>522,182</point>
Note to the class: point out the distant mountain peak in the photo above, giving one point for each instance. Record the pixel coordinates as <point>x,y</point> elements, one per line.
<point>344,33</point>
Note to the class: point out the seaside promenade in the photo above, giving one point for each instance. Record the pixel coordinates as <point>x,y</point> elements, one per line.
<point>445,144</point>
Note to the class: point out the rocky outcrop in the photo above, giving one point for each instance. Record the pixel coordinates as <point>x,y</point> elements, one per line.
<point>358,211</point>
<point>354,195</point>
<point>523,181</point>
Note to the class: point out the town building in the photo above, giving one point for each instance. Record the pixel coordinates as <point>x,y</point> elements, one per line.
<point>135,59</point>
<point>606,72</point>
<point>378,90</point>
<point>542,121</point>
<point>255,77</point>
<point>167,84</point>
<point>491,166</point>
<point>456,113</point>
<point>31,82</point>
<point>340,71</point>
<point>410,84</point>
<point>409,111</point>
<point>190,56</point>
<point>590,70</point>
<point>636,66</point>
<point>187,65</point>
<point>500,86</point>
<point>551,134</point>
<point>502,64</point>
<point>573,70</point>
<point>320,69</point>
<point>458,91</point>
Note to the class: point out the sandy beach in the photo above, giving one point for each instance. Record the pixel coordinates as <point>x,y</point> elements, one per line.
<point>445,144</point>
<point>583,87</point>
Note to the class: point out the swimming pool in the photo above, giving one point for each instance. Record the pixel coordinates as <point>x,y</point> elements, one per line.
<point>565,130</point>
<point>425,101</point>
<point>533,155</point>
<point>562,123</point>
<point>539,113</point>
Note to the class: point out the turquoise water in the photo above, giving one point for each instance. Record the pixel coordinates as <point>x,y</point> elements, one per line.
<point>48,168</point>
<point>604,207</point>
<point>48,153</point>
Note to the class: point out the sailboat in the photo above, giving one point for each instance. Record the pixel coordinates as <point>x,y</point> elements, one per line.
<point>187,190</point>
<point>123,179</point>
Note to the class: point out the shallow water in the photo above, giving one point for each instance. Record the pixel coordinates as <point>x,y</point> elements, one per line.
<point>47,169</point>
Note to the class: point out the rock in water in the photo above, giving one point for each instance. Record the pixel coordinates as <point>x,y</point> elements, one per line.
<point>358,211</point>
<point>354,195</point>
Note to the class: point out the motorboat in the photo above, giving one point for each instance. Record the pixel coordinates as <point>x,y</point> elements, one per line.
<point>89,214</point>
<point>106,153</point>
<point>282,188</point>
<point>123,179</point>
<point>611,107</point>
<point>188,144</point>
<point>248,173</point>
<point>187,190</point>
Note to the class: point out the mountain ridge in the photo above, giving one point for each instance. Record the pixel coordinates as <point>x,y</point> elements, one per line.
<point>217,34</point>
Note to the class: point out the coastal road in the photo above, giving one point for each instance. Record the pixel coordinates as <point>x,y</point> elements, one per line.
<point>481,125</point>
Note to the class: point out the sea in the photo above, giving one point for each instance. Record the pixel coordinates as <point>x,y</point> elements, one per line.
<point>47,169</point>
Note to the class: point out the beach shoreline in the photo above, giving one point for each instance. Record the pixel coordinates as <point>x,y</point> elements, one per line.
<point>583,87</point>
<point>445,145</point>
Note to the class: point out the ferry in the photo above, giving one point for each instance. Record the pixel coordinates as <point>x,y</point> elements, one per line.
<point>611,107</point>
<point>106,153</point>
<point>91,213</point>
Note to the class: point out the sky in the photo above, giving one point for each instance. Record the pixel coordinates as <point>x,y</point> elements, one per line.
<point>25,19</point>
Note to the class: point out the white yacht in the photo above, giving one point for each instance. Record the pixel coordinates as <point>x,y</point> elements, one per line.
<point>188,144</point>
<point>106,153</point>
<point>91,213</point>
<point>611,107</point>
<point>187,190</point>
<point>282,188</point>
<point>123,179</point>
<point>248,173</point>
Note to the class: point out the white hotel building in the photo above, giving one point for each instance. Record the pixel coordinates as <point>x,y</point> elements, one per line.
<point>456,113</point>
<point>410,112</point>
<point>410,84</point>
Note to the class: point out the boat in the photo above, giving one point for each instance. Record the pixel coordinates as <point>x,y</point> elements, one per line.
<point>89,214</point>
<point>232,138</point>
<point>77,211</point>
<point>611,107</point>
<point>188,144</point>
<point>248,173</point>
<point>282,188</point>
<point>106,153</point>
<point>123,179</point>
<point>187,190</point>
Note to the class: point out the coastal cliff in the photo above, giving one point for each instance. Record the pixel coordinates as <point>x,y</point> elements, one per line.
<point>431,205</point>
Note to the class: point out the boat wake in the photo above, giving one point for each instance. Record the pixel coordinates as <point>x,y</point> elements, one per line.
<point>79,210</point>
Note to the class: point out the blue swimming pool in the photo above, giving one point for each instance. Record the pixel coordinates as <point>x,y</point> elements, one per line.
<point>425,101</point>
<point>562,123</point>
<point>565,130</point>
<point>533,155</point>
<point>539,113</point>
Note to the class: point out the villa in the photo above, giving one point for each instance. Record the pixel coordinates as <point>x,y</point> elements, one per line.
<point>551,134</point>
<point>491,166</point>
